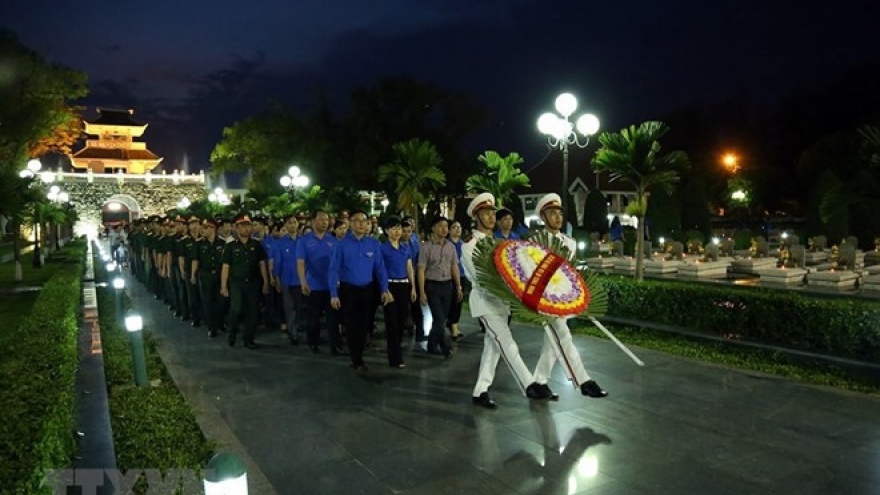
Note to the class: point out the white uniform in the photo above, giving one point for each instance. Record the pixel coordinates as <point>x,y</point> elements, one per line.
<point>498,341</point>
<point>558,344</point>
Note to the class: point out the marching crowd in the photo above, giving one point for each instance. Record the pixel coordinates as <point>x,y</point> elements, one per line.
<point>297,273</point>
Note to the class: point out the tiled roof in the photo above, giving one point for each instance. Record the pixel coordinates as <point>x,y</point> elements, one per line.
<point>110,116</point>
<point>121,154</point>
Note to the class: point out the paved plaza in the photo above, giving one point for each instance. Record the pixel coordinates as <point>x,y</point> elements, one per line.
<point>309,424</point>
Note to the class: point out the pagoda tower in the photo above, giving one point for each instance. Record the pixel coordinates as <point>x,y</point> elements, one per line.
<point>115,149</point>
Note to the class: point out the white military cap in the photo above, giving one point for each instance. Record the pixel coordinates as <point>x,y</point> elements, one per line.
<point>483,200</point>
<point>551,200</point>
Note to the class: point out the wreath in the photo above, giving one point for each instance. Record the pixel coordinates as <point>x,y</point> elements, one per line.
<point>537,280</point>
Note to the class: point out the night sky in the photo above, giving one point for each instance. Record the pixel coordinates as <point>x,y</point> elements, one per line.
<point>191,67</point>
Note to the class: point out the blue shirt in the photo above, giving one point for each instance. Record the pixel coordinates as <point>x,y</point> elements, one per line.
<point>357,262</point>
<point>414,248</point>
<point>284,261</point>
<point>395,260</point>
<point>315,253</point>
<point>513,235</point>
<point>458,245</point>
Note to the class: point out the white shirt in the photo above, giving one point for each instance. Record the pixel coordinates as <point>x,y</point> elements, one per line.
<point>481,301</point>
<point>568,241</point>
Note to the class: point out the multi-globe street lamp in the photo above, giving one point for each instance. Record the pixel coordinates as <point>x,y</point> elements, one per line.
<point>59,197</point>
<point>32,171</point>
<point>562,133</point>
<point>294,179</point>
<point>219,196</point>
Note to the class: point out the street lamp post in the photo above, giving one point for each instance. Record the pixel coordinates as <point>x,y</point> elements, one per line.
<point>384,204</point>
<point>57,196</point>
<point>119,285</point>
<point>135,324</point>
<point>32,171</point>
<point>562,133</point>
<point>294,179</point>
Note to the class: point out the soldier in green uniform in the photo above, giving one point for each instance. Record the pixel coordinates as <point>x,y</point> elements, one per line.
<point>242,278</point>
<point>186,259</point>
<point>149,253</point>
<point>166,254</point>
<point>206,265</point>
<point>177,268</point>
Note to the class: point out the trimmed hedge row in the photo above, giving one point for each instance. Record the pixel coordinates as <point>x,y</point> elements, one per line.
<point>153,427</point>
<point>843,327</point>
<point>38,372</point>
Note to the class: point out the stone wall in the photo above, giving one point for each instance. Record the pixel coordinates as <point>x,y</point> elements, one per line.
<point>153,198</point>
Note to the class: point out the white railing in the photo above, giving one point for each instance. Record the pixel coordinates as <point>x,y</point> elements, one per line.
<point>88,176</point>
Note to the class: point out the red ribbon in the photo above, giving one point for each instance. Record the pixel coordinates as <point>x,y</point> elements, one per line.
<point>534,288</point>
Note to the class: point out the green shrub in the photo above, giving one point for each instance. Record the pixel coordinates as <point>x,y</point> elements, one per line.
<point>742,239</point>
<point>38,372</point>
<point>847,328</point>
<point>158,415</point>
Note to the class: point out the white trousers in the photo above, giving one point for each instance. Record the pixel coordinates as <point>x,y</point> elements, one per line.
<point>499,343</point>
<point>558,346</point>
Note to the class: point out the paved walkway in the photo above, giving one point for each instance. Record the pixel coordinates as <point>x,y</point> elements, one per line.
<point>313,426</point>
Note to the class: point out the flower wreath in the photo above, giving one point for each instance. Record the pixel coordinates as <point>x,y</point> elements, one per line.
<point>536,279</point>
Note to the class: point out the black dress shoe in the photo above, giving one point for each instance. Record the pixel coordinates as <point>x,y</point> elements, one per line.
<point>212,333</point>
<point>251,345</point>
<point>338,351</point>
<point>484,401</point>
<point>196,324</point>
<point>359,367</point>
<point>592,389</point>
<point>536,391</point>
<point>550,394</point>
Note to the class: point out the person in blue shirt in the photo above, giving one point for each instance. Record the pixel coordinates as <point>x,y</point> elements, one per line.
<point>504,217</point>
<point>455,310</point>
<point>411,239</point>
<point>356,264</point>
<point>312,263</point>
<point>401,284</point>
<point>286,279</point>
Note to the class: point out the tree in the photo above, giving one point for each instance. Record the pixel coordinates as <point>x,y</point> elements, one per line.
<point>398,109</point>
<point>634,155</point>
<point>35,116</point>
<point>38,215</point>
<point>596,213</point>
<point>499,176</point>
<point>266,145</point>
<point>413,174</point>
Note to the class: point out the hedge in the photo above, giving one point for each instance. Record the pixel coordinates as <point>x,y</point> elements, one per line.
<point>38,372</point>
<point>153,427</point>
<point>843,327</point>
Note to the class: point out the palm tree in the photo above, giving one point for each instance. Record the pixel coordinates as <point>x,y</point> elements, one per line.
<point>39,214</point>
<point>414,172</point>
<point>501,176</point>
<point>16,194</point>
<point>634,155</point>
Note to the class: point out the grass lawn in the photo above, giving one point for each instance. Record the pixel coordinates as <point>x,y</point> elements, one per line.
<point>14,306</point>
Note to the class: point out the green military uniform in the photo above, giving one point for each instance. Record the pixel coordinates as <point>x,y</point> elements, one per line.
<point>180,278</point>
<point>192,289</point>
<point>209,255</point>
<point>244,284</point>
<point>166,249</point>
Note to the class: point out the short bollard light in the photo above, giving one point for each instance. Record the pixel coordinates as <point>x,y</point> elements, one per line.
<point>225,474</point>
<point>134,324</point>
<point>118,284</point>
<point>111,267</point>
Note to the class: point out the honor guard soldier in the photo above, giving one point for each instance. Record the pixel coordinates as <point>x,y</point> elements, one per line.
<point>493,315</point>
<point>243,278</point>
<point>206,265</point>
<point>558,344</point>
<point>186,259</point>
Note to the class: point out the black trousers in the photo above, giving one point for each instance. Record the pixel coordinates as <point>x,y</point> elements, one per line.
<point>357,302</point>
<point>212,302</point>
<point>417,317</point>
<point>318,303</point>
<point>455,309</point>
<point>395,320</point>
<point>439,300</point>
